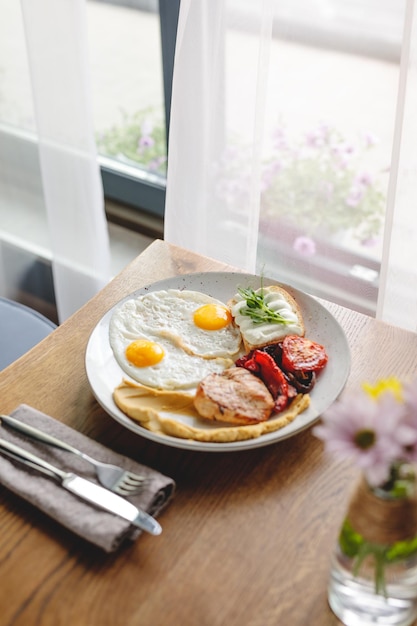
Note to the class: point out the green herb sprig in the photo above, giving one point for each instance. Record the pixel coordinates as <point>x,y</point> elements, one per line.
<point>257,309</point>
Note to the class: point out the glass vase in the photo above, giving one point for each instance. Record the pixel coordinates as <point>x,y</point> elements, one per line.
<point>373,577</point>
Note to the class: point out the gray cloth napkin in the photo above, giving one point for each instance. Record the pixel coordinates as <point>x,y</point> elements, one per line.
<point>99,527</point>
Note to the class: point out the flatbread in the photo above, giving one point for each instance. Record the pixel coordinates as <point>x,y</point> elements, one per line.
<point>151,407</point>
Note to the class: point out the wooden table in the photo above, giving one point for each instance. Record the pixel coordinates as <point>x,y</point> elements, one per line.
<point>248,536</point>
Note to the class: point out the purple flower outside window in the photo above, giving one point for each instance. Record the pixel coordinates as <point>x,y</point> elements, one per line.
<point>365,179</point>
<point>146,141</point>
<point>304,246</point>
<point>355,196</point>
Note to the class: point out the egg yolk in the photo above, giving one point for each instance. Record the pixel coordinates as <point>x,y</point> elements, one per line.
<point>212,317</point>
<point>143,353</point>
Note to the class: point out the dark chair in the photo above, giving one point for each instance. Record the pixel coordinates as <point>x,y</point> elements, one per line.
<point>21,328</point>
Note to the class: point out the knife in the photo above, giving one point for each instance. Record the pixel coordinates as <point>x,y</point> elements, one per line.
<point>85,489</point>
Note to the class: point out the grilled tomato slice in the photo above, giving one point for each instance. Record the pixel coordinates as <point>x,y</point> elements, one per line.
<point>302,354</point>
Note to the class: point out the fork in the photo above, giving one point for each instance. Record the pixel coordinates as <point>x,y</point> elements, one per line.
<point>114,478</point>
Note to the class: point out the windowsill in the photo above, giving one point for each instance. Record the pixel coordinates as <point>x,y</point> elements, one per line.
<point>26,274</point>
<point>134,220</point>
<point>125,245</point>
<point>23,221</point>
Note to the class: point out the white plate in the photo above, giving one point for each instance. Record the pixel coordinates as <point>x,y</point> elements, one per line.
<point>104,373</point>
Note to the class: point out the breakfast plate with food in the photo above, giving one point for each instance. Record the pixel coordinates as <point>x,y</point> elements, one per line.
<point>217,361</point>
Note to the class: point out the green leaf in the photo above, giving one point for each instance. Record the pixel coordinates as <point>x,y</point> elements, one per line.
<point>257,309</point>
<point>350,541</point>
<point>354,546</point>
<point>401,550</point>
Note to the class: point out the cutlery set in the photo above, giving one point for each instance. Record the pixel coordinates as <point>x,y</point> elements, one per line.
<point>116,482</point>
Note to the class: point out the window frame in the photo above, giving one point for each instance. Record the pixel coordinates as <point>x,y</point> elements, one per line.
<point>135,198</point>
<point>133,186</point>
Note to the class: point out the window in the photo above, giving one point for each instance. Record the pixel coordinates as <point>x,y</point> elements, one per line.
<point>332,104</point>
<point>24,229</point>
<point>331,101</point>
<point>132,54</point>
<point>326,139</point>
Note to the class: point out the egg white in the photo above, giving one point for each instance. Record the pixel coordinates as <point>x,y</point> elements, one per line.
<point>169,314</point>
<point>177,369</point>
<point>166,317</point>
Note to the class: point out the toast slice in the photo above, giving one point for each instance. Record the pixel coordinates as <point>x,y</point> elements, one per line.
<point>258,334</point>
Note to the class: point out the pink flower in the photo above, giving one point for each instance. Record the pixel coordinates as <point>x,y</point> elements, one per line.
<point>156,163</point>
<point>410,401</point>
<point>370,432</point>
<point>355,196</point>
<point>318,137</point>
<point>279,138</point>
<point>370,139</point>
<point>365,179</point>
<point>314,139</point>
<point>304,246</point>
<point>146,141</point>
<point>348,148</point>
<point>271,171</point>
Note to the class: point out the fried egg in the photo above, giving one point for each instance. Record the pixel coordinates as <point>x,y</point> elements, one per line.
<point>171,339</point>
<point>194,321</point>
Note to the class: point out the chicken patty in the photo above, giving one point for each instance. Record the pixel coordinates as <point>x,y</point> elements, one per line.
<point>236,396</point>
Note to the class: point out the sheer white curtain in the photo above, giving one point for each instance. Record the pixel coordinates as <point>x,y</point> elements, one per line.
<point>398,292</point>
<point>204,121</point>
<point>55,33</point>
<point>225,66</point>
